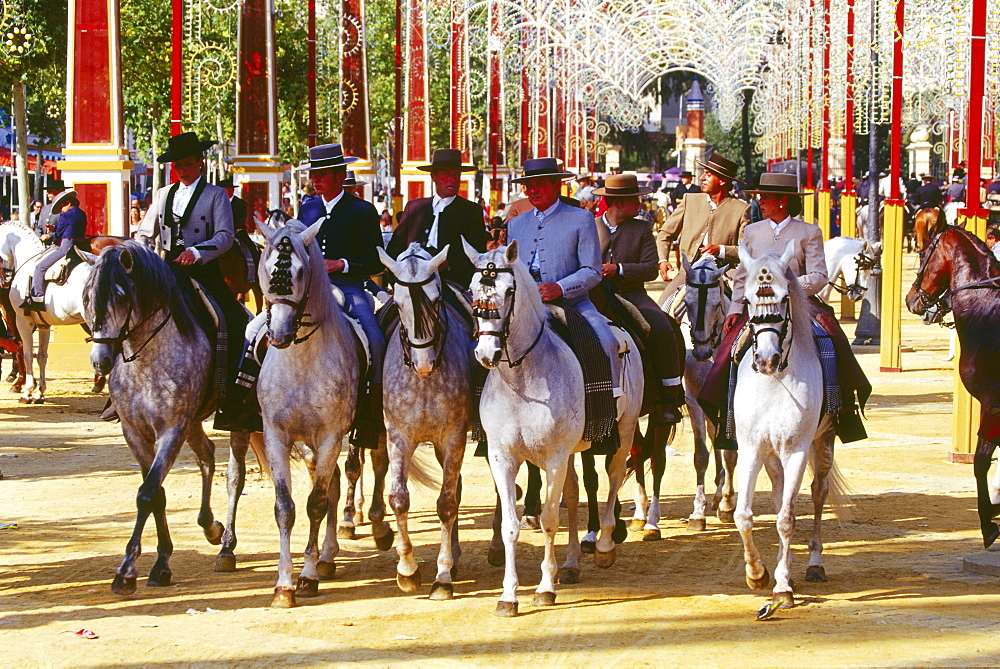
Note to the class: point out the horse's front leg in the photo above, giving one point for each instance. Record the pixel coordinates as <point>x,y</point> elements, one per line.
<point>658,460</point>
<point>381,530</point>
<point>204,451</point>
<point>27,381</point>
<point>450,456</point>
<point>702,457</point>
<point>401,450</point>
<point>569,573</point>
<point>822,467</point>
<point>606,554</point>
<point>641,497</point>
<point>316,508</point>
<point>984,502</point>
<point>727,476</point>
<point>44,336</point>
<point>748,468</point>
<point>590,485</point>
<point>277,449</point>
<point>555,478</point>
<point>504,471</point>
<point>794,467</point>
<point>326,568</point>
<point>352,470</point>
<point>236,476</point>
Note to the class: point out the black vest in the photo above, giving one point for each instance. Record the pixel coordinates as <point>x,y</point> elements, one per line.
<point>176,226</point>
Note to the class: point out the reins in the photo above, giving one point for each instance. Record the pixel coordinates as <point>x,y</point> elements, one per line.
<point>126,332</point>
<point>785,331</point>
<point>700,314</point>
<point>935,308</point>
<point>440,323</point>
<point>864,262</point>
<point>488,276</point>
<point>281,284</point>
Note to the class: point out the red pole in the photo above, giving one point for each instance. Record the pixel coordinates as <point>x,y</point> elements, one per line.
<point>810,183</point>
<point>896,137</point>
<point>825,169</point>
<point>397,121</point>
<point>849,111</point>
<point>177,67</point>
<point>311,75</point>
<point>977,72</point>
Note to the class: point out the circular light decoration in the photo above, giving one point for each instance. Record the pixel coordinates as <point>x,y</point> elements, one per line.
<point>215,66</point>
<point>222,5</point>
<point>477,84</point>
<point>351,36</point>
<point>16,39</point>
<point>348,96</point>
<point>473,124</point>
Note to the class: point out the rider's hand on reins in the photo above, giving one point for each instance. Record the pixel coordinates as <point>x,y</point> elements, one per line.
<point>665,269</point>
<point>608,269</point>
<point>549,291</point>
<point>185,258</point>
<point>334,266</point>
<point>731,321</point>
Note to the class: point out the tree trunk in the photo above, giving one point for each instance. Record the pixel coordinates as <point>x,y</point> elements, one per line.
<point>21,159</point>
<point>156,151</point>
<point>39,171</point>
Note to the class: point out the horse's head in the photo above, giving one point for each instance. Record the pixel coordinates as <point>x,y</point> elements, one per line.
<point>289,265</point>
<point>704,302</point>
<point>768,292</point>
<point>494,285</point>
<point>926,296</point>
<point>418,297</point>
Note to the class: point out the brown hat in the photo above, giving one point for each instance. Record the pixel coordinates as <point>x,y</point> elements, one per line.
<point>622,185</point>
<point>444,159</point>
<point>721,166</point>
<point>543,167</point>
<point>774,183</point>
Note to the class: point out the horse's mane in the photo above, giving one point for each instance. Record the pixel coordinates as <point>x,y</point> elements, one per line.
<point>978,244</point>
<point>320,301</point>
<point>150,285</point>
<point>523,278</point>
<point>424,320</point>
<point>23,228</point>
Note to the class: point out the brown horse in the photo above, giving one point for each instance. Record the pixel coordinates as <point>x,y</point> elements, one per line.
<point>958,267</point>
<point>927,224</point>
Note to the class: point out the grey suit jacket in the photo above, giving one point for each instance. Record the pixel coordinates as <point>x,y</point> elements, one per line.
<point>209,228</point>
<point>808,263</point>
<point>568,249</point>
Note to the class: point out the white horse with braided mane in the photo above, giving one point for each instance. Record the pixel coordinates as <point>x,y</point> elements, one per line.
<point>780,424</point>
<point>532,408</point>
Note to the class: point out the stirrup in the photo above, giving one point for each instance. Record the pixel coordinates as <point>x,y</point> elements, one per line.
<point>34,303</point>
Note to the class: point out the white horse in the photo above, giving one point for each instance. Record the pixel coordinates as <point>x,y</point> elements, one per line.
<point>778,411</point>
<point>532,409</point>
<point>427,390</point>
<point>20,251</point>
<point>307,389</point>
<point>849,261</point>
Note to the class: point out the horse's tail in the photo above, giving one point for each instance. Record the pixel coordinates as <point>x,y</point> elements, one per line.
<point>838,493</point>
<point>420,473</point>
<point>257,446</point>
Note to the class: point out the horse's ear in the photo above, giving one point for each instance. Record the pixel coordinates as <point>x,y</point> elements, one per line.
<point>877,249</point>
<point>439,259</point>
<point>685,263</point>
<point>511,252</point>
<point>387,260</point>
<point>311,232</point>
<point>125,258</point>
<point>470,251</point>
<point>744,253</point>
<point>90,258</point>
<point>789,253</point>
<point>266,228</point>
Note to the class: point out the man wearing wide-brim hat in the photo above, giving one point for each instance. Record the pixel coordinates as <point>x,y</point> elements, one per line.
<point>628,257</point>
<point>443,219</point>
<point>685,187</point>
<point>193,221</point>
<point>710,221</point>
<point>47,217</point>
<point>349,237</point>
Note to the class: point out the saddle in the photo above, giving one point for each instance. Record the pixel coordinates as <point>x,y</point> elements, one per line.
<point>209,316</point>
<point>59,273</point>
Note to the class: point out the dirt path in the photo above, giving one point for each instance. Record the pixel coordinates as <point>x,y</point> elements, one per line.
<point>896,594</point>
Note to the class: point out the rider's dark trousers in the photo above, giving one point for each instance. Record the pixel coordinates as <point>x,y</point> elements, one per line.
<point>665,342</point>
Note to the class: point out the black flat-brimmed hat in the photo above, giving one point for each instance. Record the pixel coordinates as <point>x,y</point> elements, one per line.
<point>226,183</point>
<point>622,185</point>
<point>543,167</point>
<point>721,166</point>
<point>53,184</point>
<point>184,146</point>
<point>352,180</point>
<point>687,174</point>
<point>447,159</point>
<point>327,155</point>
<point>774,183</point>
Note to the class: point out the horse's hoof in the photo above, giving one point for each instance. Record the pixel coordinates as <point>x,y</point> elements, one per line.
<point>284,598</point>
<point>409,584</point>
<point>442,591</point>
<point>651,535</point>
<point>506,609</point>
<point>725,516</point>
<point>346,532</point>
<point>24,400</point>
<point>605,560</point>
<point>123,585</point>
<point>214,533</point>
<point>225,563</point>
<point>39,400</point>
<point>384,542</point>
<point>568,576</point>
<point>588,547</point>
<point>816,574</point>
<point>326,570</point>
<point>544,599</point>
<point>784,599</point>
<point>158,578</point>
<point>307,587</point>
<point>496,558</point>
<point>697,524</point>
<point>759,583</point>
<point>990,534</point>
<point>454,573</point>
<point>620,533</point>
<point>637,525</point>
<point>530,523</point>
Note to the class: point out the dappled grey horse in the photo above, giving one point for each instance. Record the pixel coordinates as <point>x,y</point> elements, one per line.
<point>160,365</point>
<point>308,391</point>
<point>427,385</point>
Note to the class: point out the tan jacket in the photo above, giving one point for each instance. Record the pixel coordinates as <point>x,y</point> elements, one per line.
<point>808,262</point>
<point>694,217</point>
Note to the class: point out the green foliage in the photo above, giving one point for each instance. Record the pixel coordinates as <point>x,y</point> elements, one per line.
<point>145,40</point>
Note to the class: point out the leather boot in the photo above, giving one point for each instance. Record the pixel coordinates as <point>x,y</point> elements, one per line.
<point>368,421</point>
<point>668,410</point>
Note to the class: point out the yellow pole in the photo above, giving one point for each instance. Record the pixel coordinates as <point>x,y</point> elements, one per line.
<point>823,219</point>
<point>808,206</point>
<point>848,228</point>
<point>966,408</point>
<point>892,286</point>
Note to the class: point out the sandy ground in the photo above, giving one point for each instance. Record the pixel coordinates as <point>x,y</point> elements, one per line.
<point>896,594</point>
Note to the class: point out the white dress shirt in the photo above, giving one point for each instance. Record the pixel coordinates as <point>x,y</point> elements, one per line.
<point>778,227</point>
<point>330,204</point>
<point>438,205</point>
<point>183,196</point>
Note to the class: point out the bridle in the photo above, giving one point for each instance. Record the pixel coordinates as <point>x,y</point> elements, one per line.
<point>864,263</point>
<point>784,332</point>
<point>715,336</point>
<point>298,306</point>
<point>935,308</point>
<point>436,342</point>
<point>488,276</point>
<point>126,332</point>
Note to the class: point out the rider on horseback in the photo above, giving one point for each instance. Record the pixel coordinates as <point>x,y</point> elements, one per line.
<point>71,230</point>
